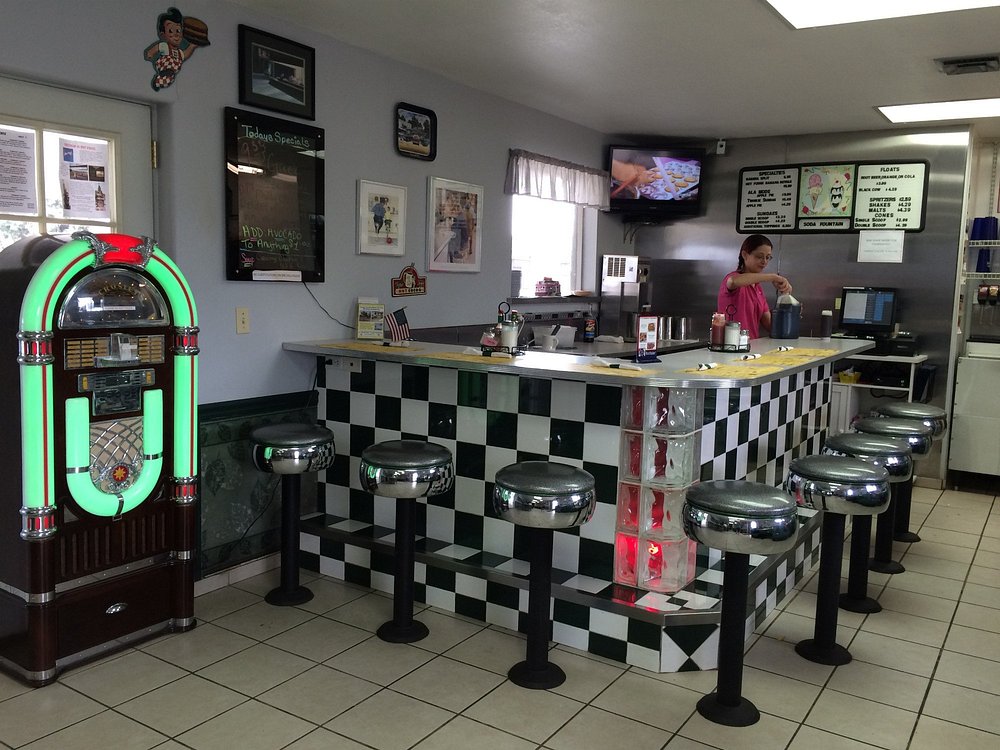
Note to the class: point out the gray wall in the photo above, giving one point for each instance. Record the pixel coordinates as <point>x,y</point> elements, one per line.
<point>100,46</point>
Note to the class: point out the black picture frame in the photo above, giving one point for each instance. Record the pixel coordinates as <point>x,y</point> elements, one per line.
<point>416,132</point>
<point>274,198</point>
<point>277,73</point>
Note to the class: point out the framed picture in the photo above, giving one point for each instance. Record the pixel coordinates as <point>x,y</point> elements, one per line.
<point>416,132</point>
<point>277,73</point>
<point>381,218</point>
<point>274,198</point>
<point>454,225</point>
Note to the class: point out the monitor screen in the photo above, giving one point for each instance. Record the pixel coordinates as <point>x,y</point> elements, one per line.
<point>867,310</point>
<point>655,180</point>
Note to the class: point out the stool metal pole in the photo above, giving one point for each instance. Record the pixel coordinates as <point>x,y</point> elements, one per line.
<point>289,593</point>
<point>823,648</point>
<point>402,628</point>
<point>729,686</point>
<point>856,598</point>
<point>881,561</point>
<point>536,671</point>
<point>901,527</point>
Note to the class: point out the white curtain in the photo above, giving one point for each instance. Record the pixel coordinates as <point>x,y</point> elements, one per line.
<point>544,177</point>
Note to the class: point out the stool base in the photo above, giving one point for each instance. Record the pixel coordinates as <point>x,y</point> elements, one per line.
<point>886,566</point>
<point>865,605</point>
<point>835,655</point>
<point>548,676</point>
<point>743,714</point>
<point>390,632</point>
<point>279,597</point>
<point>906,536</point>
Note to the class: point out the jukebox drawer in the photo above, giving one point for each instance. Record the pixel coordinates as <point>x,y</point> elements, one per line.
<point>94,615</point>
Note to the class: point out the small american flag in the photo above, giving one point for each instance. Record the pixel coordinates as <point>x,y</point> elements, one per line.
<point>399,327</point>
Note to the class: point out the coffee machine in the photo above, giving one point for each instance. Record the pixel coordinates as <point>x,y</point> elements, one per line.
<point>626,290</point>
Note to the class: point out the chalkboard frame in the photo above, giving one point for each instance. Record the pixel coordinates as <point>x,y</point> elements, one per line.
<point>295,141</point>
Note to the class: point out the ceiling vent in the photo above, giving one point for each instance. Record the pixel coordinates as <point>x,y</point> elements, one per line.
<point>954,66</point>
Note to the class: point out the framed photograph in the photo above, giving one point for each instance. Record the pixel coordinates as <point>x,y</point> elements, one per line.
<point>277,73</point>
<point>381,218</point>
<point>454,225</point>
<point>416,132</point>
<point>274,198</point>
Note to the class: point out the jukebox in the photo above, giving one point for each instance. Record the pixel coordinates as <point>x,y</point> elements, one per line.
<point>98,466</point>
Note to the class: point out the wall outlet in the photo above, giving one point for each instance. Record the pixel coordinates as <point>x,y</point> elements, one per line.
<point>345,363</point>
<point>242,320</point>
<point>720,147</point>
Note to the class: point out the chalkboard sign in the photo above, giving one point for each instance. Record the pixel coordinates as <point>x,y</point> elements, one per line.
<point>274,199</point>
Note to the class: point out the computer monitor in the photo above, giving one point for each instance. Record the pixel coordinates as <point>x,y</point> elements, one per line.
<point>867,310</point>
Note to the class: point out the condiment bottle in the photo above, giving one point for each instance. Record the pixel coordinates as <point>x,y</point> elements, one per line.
<point>718,329</point>
<point>732,334</point>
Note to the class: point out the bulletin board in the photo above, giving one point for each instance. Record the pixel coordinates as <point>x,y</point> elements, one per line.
<point>274,199</point>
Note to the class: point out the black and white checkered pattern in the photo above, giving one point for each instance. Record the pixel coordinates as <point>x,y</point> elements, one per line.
<point>471,562</point>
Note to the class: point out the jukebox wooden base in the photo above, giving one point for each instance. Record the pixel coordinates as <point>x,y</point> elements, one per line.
<point>39,640</point>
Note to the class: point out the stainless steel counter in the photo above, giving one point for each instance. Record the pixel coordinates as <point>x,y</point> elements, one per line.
<point>674,370</point>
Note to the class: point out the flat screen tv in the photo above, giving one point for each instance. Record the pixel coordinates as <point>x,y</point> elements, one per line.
<point>867,310</point>
<point>655,182</point>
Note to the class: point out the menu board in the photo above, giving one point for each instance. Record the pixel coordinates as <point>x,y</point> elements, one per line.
<point>842,197</point>
<point>274,199</point>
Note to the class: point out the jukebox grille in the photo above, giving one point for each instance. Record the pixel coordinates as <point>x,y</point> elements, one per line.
<point>79,354</point>
<point>116,456</point>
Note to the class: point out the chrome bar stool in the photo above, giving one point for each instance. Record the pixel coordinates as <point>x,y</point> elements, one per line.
<point>930,416</point>
<point>893,455</point>
<point>405,470</point>
<point>740,518</point>
<point>918,437</point>
<point>542,496</point>
<point>291,450</point>
<point>840,487</point>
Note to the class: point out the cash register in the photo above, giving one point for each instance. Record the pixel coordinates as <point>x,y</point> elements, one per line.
<point>868,312</point>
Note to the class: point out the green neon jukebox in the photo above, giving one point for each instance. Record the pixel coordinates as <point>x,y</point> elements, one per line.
<point>98,510</point>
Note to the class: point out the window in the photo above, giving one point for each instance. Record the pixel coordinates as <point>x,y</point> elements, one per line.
<point>546,240</point>
<point>71,160</point>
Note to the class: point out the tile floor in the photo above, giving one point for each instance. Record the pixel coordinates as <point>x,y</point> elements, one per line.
<point>926,673</point>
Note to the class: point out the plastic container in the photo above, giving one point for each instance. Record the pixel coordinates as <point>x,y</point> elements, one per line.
<point>785,318</point>
<point>826,324</point>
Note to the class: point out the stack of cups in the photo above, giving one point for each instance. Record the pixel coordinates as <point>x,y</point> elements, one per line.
<point>984,229</point>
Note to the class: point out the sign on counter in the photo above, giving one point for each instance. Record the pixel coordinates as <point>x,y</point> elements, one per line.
<point>843,197</point>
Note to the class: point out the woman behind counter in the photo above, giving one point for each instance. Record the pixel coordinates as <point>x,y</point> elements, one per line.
<point>741,297</point>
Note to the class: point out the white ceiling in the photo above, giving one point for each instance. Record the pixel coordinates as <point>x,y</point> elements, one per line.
<point>698,68</point>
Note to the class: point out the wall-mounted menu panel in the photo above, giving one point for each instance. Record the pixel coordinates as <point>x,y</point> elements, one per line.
<point>844,197</point>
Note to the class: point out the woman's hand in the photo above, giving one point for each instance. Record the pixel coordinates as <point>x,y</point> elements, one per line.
<point>781,284</point>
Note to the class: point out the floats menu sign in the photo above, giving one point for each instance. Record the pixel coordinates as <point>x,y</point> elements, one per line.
<point>845,197</point>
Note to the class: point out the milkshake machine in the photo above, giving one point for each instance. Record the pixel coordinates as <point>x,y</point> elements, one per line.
<point>625,290</point>
<point>98,516</point>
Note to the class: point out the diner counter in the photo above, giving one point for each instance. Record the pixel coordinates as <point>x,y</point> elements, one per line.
<point>675,369</point>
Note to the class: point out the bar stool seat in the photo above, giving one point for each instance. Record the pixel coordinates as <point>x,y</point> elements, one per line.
<point>893,455</point>
<point>932,416</point>
<point>740,518</point>
<point>291,450</point>
<point>895,524</point>
<point>405,470</point>
<point>840,487</point>
<point>542,496</point>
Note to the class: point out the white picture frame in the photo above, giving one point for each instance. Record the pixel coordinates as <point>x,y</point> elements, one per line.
<point>381,231</point>
<point>454,226</point>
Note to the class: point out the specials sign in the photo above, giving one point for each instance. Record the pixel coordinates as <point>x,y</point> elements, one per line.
<point>840,197</point>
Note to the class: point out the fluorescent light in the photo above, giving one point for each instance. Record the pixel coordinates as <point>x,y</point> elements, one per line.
<point>960,110</point>
<point>805,15</point>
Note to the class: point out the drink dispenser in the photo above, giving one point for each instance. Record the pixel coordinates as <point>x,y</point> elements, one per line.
<point>98,516</point>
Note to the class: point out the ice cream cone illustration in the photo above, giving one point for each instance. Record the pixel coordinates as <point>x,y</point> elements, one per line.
<point>815,188</point>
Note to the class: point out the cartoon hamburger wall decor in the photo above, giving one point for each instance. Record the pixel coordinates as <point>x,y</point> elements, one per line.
<point>179,36</point>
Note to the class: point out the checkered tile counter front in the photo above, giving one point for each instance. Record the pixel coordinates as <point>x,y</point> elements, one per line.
<point>473,563</point>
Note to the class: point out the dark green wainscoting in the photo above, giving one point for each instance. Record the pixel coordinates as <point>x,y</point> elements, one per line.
<point>240,506</point>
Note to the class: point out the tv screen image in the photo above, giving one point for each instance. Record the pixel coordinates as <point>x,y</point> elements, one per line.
<point>655,180</point>
<point>867,310</point>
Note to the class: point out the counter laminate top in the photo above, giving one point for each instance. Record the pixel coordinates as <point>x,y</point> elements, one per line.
<point>674,370</point>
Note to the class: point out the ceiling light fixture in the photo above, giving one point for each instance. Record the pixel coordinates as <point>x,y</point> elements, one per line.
<point>967,109</point>
<point>809,15</point>
<point>957,66</point>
